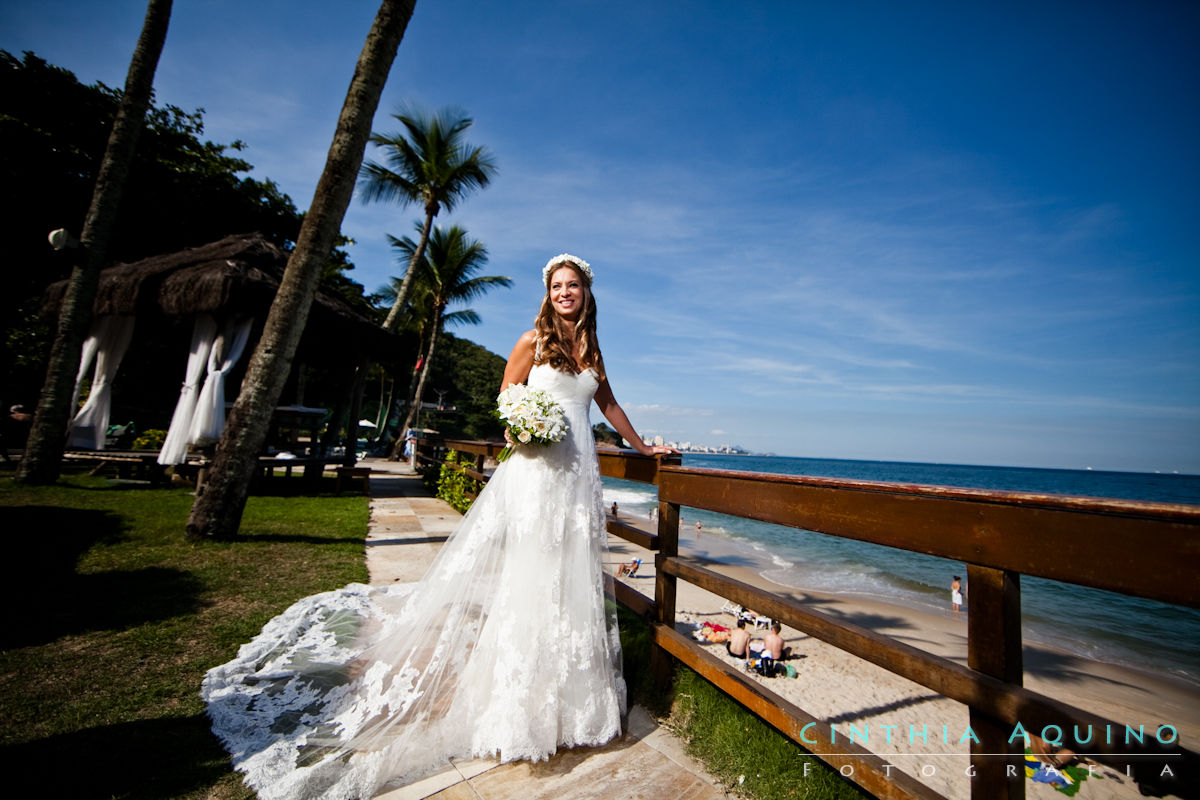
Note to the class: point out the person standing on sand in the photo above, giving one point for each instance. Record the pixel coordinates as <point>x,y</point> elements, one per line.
<point>351,669</point>
<point>956,595</point>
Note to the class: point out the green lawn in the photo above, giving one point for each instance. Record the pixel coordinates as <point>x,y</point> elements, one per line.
<point>113,619</point>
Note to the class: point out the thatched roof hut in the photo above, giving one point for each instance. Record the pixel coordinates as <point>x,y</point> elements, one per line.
<point>237,275</point>
<point>227,284</point>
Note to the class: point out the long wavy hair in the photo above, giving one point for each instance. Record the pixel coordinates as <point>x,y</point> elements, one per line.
<point>555,339</point>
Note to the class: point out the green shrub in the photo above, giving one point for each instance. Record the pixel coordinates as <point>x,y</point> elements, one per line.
<point>151,439</point>
<point>454,486</point>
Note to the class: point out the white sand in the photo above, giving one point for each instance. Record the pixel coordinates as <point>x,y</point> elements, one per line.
<point>844,691</point>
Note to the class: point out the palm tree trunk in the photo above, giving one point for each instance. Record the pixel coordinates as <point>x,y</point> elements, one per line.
<point>217,511</point>
<point>356,395</point>
<point>414,410</point>
<point>393,317</point>
<point>47,436</point>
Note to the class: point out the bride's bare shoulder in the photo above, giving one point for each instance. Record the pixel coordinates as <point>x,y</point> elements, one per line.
<point>524,346</point>
<point>520,362</point>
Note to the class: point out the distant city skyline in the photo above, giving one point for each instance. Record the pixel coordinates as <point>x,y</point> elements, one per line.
<point>931,232</point>
<point>693,447</point>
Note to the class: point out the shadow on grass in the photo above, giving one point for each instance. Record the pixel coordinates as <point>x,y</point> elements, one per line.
<point>47,541</point>
<point>44,545</point>
<point>152,758</point>
<point>112,600</point>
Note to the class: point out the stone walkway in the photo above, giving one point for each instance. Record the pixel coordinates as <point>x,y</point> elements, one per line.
<point>407,527</point>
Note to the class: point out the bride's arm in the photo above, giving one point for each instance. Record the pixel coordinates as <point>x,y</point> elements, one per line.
<point>520,362</point>
<point>613,412</point>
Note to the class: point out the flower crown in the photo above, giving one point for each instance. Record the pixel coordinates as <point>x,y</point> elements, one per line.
<point>584,267</point>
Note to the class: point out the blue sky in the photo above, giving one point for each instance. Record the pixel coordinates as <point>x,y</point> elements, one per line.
<point>950,232</point>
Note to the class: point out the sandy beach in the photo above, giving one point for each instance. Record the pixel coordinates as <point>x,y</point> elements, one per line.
<point>845,691</point>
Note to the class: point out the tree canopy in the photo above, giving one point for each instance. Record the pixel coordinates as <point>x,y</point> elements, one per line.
<point>182,191</point>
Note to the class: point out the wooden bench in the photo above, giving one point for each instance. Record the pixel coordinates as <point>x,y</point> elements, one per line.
<point>129,464</point>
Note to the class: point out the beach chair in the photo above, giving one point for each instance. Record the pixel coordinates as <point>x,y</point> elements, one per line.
<point>751,617</point>
<point>731,608</point>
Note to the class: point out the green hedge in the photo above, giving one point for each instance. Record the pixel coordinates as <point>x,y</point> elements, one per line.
<point>454,486</point>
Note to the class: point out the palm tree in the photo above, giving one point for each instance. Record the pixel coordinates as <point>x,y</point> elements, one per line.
<point>47,436</point>
<point>432,165</point>
<point>448,271</point>
<point>414,319</point>
<point>218,509</point>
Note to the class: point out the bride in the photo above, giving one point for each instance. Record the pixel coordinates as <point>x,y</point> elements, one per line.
<point>504,648</point>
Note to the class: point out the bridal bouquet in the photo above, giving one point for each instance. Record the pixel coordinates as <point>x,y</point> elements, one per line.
<point>533,417</point>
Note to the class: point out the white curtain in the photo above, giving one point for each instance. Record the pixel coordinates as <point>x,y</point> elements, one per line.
<point>209,420</point>
<point>175,447</point>
<point>107,344</point>
<point>90,346</point>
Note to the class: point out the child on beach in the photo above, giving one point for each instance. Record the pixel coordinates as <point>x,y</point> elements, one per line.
<point>956,596</point>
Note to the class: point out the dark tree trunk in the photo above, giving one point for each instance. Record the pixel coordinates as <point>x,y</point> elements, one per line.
<point>48,435</point>
<point>356,396</point>
<point>217,511</point>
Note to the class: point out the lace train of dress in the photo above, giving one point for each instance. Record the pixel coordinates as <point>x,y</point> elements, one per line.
<point>504,647</point>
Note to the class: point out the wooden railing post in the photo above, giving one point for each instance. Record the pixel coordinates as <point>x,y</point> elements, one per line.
<point>994,648</point>
<point>661,665</point>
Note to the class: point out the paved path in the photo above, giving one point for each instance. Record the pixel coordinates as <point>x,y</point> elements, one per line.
<point>407,527</point>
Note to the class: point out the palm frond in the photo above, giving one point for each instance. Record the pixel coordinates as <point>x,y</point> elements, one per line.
<point>429,162</point>
<point>464,316</point>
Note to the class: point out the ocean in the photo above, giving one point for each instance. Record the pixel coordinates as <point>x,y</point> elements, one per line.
<point>1096,624</point>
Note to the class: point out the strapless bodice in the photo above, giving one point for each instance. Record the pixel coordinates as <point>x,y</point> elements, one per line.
<point>568,388</point>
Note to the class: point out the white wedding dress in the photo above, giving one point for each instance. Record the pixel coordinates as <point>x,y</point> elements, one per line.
<point>505,647</point>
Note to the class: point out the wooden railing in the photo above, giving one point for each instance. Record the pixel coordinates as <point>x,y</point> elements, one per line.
<point>1148,550</point>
